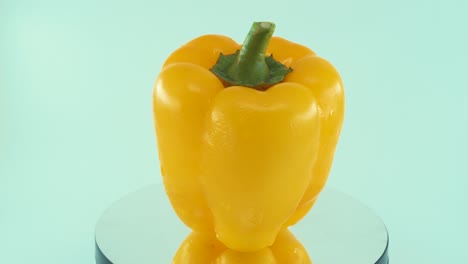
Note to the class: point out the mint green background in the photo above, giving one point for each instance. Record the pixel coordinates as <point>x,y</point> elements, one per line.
<point>76,124</point>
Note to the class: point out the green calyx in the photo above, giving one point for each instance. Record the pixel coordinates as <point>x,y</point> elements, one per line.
<point>249,66</point>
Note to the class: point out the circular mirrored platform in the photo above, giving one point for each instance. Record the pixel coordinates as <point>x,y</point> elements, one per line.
<point>142,228</point>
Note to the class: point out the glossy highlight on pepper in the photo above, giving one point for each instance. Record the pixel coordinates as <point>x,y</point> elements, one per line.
<point>241,161</point>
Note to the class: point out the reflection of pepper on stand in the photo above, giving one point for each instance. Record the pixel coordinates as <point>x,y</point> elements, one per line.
<point>200,248</point>
<point>246,134</point>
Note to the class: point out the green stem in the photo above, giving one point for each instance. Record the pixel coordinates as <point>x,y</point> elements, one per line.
<point>250,65</point>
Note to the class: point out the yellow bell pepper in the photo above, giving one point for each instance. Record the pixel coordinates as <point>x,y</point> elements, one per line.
<point>246,140</point>
<point>200,248</point>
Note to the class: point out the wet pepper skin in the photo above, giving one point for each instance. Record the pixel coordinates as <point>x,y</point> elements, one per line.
<point>240,163</point>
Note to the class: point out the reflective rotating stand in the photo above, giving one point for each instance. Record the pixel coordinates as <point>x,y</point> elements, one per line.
<point>141,228</point>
